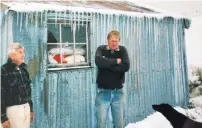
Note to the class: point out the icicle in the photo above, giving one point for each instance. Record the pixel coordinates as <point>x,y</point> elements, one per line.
<point>112,21</point>
<point>31,15</point>
<point>97,26</point>
<point>117,22</point>
<point>46,16</point>
<point>127,25</point>
<point>74,39</point>
<point>67,16</point>
<point>61,49</point>
<point>26,20</point>
<point>62,15</point>
<point>64,18</point>
<point>21,16</point>
<point>104,17</point>
<point>108,21</point>
<point>93,18</point>
<point>93,28</point>
<point>103,30</point>
<point>55,18</point>
<point>41,17</point>
<point>123,24</point>
<point>78,21</point>
<point>36,21</point>
<point>83,18</point>
<point>101,25</point>
<point>59,15</point>
<point>75,22</point>
<point>131,26</point>
<point>17,17</point>
<point>87,41</point>
<point>71,21</point>
<point>104,24</point>
<point>101,22</point>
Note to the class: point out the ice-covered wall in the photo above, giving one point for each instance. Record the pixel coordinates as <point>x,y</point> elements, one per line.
<point>6,32</point>
<point>65,99</point>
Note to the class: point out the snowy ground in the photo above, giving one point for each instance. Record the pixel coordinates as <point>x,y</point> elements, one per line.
<point>157,120</point>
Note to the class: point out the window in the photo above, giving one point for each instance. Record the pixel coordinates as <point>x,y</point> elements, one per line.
<point>68,45</point>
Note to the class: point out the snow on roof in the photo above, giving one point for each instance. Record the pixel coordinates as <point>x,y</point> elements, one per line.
<point>118,5</point>
<point>39,7</point>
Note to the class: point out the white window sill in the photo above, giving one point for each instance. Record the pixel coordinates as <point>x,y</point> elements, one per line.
<point>67,68</point>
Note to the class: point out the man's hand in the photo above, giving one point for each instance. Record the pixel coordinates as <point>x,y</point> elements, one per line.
<point>6,124</point>
<point>31,117</point>
<point>118,60</point>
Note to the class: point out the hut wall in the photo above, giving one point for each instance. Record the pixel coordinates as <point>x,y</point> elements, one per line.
<point>65,99</point>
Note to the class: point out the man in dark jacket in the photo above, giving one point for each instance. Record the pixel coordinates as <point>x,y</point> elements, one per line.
<point>16,103</point>
<point>112,61</point>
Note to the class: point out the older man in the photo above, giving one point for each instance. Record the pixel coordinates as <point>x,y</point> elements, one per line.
<point>112,61</point>
<point>16,103</point>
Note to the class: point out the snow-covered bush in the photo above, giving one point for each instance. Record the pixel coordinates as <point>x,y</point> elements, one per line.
<point>195,81</point>
<point>196,112</point>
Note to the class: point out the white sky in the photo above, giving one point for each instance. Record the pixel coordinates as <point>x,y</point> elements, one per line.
<point>194,42</point>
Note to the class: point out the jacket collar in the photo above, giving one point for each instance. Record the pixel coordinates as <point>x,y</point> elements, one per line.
<point>107,47</point>
<point>12,65</point>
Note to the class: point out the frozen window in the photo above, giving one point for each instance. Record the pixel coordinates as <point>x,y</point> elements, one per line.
<point>68,45</point>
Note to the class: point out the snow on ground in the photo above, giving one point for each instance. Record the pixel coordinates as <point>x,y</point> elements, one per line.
<point>157,120</point>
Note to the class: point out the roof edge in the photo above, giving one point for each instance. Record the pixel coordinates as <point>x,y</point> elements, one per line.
<point>38,7</point>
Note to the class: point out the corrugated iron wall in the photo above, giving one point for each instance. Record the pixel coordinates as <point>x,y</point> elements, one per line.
<point>6,36</point>
<point>65,99</point>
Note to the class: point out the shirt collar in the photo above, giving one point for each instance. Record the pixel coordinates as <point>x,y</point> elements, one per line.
<point>12,65</point>
<point>107,47</point>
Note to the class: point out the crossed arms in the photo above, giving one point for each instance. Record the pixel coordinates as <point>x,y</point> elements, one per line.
<point>112,63</point>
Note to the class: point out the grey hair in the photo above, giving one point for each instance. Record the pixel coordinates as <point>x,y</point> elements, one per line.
<point>13,47</point>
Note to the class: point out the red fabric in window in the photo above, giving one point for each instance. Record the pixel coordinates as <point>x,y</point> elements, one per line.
<point>59,60</point>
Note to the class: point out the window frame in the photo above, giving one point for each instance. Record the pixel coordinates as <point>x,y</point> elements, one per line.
<point>74,25</point>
